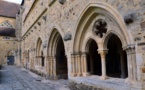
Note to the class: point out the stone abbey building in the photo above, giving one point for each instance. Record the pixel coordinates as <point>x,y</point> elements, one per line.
<point>8,40</point>
<point>95,44</point>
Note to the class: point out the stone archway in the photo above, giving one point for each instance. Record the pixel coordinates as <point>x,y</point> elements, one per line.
<point>39,53</point>
<point>11,57</point>
<point>89,14</point>
<point>93,58</point>
<point>42,59</point>
<point>57,61</point>
<point>102,14</point>
<point>116,58</point>
<point>61,60</point>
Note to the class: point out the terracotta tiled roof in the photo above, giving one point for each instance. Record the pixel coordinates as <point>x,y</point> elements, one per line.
<point>7,32</point>
<point>8,9</point>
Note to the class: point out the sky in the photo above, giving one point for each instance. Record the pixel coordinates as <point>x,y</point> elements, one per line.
<point>14,1</point>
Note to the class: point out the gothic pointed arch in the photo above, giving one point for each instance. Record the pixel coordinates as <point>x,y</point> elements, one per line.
<point>11,53</point>
<point>11,57</point>
<point>89,14</point>
<point>97,20</point>
<point>38,46</point>
<point>116,58</point>
<point>40,60</point>
<point>107,37</point>
<point>56,55</point>
<point>52,42</point>
<point>93,58</point>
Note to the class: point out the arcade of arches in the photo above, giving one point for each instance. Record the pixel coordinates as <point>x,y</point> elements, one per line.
<point>101,49</point>
<point>115,57</point>
<point>56,61</point>
<point>88,63</point>
<point>110,61</point>
<point>84,40</point>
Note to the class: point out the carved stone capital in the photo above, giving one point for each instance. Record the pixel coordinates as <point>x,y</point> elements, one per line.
<point>130,49</point>
<point>103,53</point>
<point>84,53</point>
<point>38,56</point>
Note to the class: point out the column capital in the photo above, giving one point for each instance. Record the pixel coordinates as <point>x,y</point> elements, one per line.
<point>72,55</point>
<point>130,49</point>
<point>53,58</point>
<point>130,46</point>
<point>84,53</point>
<point>50,56</point>
<point>46,57</point>
<point>76,53</point>
<point>38,56</point>
<point>103,53</point>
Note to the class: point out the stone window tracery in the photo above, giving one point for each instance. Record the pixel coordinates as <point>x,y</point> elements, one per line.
<point>100,27</point>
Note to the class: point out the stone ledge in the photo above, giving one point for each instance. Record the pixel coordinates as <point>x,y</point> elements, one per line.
<point>81,86</point>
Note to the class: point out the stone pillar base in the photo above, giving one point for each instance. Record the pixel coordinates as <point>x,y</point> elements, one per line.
<point>73,74</point>
<point>123,76</point>
<point>128,80</point>
<point>55,77</point>
<point>86,74</point>
<point>79,74</point>
<point>104,77</point>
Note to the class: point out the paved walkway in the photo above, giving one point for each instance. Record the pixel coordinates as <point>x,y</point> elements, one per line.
<point>14,78</point>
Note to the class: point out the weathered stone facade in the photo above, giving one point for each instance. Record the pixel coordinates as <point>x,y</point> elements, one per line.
<point>8,44</point>
<point>63,38</point>
<point>8,47</point>
<point>8,41</point>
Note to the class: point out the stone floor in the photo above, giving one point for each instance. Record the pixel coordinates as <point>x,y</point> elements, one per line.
<point>14,78</point>
<point>109,84</point>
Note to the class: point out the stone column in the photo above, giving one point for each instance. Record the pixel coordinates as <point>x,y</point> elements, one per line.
<point>54,66</point>
<point>51,66</point>
<point>79,65</point>
<point>134,63</point>
<point>38,61</point>
<point>103,61</point>
<point>76,64</point>
<point>123,74</point>
<point>52,63</point>
<point>129,65</point>
<point>73,65</point>
<point>84,64</point>
<point>47,64</point>
<point>35,62</point>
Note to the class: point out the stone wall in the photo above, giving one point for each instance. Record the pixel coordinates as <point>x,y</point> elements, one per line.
<point>7,43</point>
<point>41,18</point>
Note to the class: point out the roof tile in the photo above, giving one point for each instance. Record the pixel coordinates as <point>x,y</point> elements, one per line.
<point>8,9</point>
